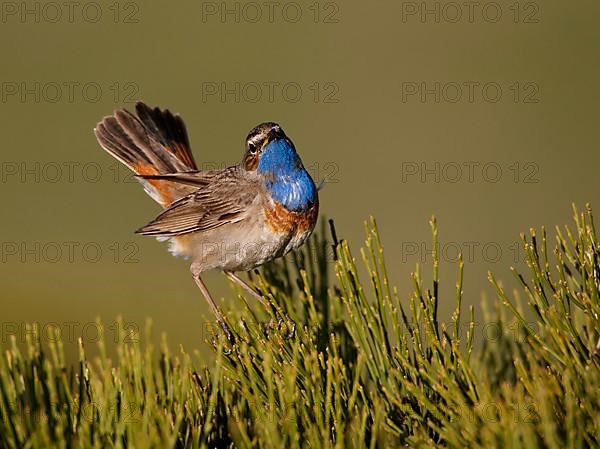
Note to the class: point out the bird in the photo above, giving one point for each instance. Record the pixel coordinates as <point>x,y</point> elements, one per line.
<point>232,219</point>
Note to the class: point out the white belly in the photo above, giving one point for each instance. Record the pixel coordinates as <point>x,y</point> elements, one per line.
<point>233,249</point>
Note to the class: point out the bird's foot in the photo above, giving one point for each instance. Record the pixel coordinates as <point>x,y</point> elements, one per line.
<point>228,335</point>
<point>284,324</point>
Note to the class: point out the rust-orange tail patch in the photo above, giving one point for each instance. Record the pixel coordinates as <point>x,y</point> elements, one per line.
<point>155,142</point>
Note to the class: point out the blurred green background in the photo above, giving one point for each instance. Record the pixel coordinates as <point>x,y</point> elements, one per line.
<point>484,115</point>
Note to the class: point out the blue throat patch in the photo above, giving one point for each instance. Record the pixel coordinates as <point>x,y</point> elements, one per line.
<point>287,180</point>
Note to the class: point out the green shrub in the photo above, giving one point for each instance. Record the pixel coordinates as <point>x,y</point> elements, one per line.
<point>365,369</point>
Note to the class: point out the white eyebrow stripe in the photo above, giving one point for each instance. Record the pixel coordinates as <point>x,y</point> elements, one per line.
<point>256,139</point>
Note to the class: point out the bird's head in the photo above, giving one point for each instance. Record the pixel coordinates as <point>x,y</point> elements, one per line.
<point>272,154</point>
<point>266,139</point>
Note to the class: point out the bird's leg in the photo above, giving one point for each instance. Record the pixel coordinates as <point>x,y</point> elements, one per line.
<point>265,302</point>
<point>238,280</point>
<point>212,304</point>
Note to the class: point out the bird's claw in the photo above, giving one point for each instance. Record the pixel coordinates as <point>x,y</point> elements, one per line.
<point>228,335</point>
<point>285,325</point>
<point>290,327</point>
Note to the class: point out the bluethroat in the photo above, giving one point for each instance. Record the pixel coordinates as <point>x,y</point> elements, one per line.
<point>232,219</point>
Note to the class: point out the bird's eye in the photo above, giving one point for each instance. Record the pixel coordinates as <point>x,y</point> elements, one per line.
<point>252,148</point>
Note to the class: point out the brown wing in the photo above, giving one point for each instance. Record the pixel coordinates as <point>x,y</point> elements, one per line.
<point>198,179</point>
<point>224,199</point>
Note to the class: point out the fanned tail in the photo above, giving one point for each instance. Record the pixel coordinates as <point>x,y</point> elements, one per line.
<point>154,143</point>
